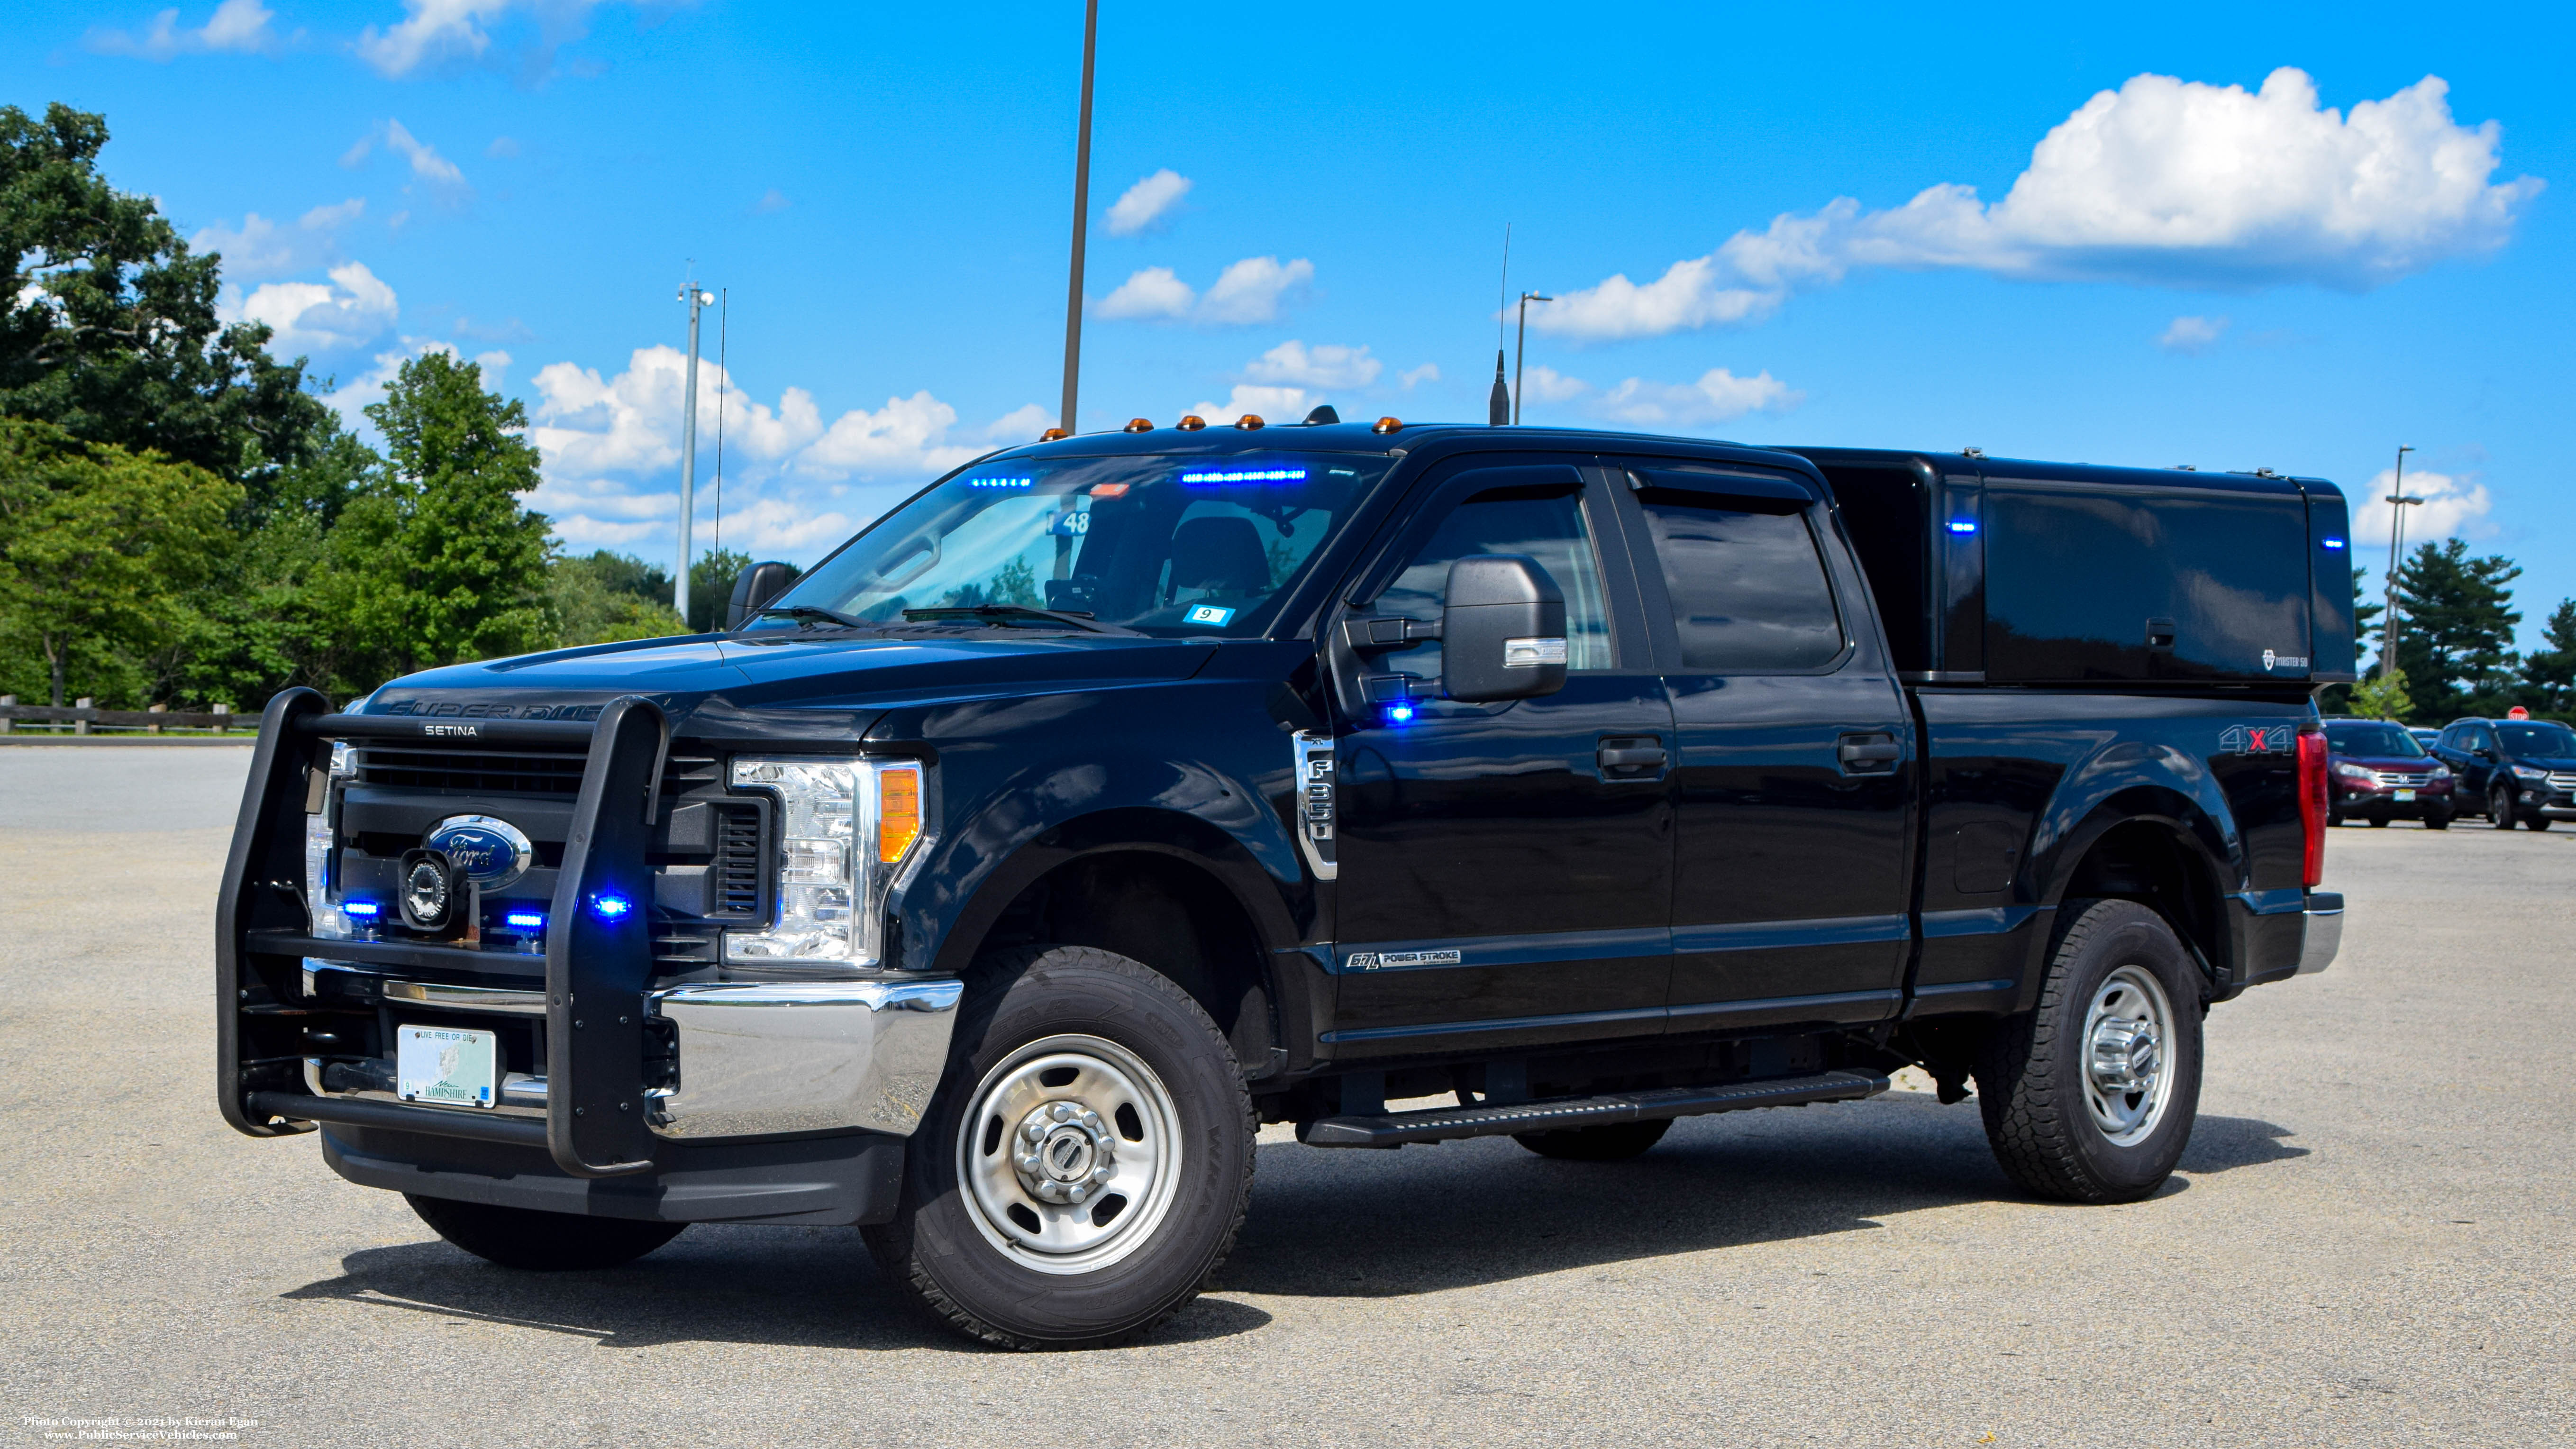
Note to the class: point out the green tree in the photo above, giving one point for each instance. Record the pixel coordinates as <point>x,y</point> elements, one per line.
<point>2550,674</point>
<point>2454,627</point>
<point>2381,697</point>
<point>97,547</point>
<point>107,320</point>
<point>711,579</point>
<point>606,597</point>
<point>435,560</point>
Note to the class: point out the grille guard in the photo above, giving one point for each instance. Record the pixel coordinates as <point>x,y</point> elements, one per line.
<point>596,970</point>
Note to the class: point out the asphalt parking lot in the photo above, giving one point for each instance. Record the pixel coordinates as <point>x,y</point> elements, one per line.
<point>2368,1242</point>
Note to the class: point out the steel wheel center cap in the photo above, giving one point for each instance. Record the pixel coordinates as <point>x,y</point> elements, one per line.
<point>2124,1055</point>
<point>1063,1151</point>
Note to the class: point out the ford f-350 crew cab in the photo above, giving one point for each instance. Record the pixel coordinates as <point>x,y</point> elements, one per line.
<point>989,887</point>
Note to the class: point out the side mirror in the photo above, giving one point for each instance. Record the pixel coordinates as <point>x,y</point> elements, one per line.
<point>1502,630</point>
<point>753,588</point>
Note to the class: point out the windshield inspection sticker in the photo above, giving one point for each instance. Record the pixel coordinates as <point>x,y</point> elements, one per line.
<point>1208,614</point>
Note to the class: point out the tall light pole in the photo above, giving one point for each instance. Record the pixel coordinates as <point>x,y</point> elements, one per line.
<point>1081,221</point>
<point>688,449</point>
<point>2398,502</point>
<point>1520,351</point>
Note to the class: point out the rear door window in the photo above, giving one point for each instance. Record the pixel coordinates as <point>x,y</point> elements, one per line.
<point>1745,578</point>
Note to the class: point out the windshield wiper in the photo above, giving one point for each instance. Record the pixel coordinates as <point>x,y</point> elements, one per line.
<point>1000,615</point>
<point>810,612</point>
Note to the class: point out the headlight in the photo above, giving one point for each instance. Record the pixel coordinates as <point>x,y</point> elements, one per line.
<point>845,830</point>
<point>2441,772</point>
<point>321,896</point>
<point>2351,771</point>
<point>2529,773</point>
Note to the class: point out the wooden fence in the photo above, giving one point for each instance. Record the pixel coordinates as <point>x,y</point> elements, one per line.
<point>80,719</point>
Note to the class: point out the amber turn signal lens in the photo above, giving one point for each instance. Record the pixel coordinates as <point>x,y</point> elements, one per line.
<point>1139,425</point>
<point>1191,422</point>
<point>1388,425</point>
<point>898,810</point>
<point>1248,421</point>
<point>1051,434</point>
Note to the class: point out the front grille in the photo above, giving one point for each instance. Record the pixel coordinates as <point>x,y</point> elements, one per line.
<point>738,864</point>
<point>511,772</point>
<point>685,947</point>
<point>2405,781</point>
<point>2562,780</point>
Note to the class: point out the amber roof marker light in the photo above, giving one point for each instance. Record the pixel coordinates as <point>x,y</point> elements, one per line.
<point>1139,425</point>
<point>1190,423</point>
<point>1051,434</point>
<point>1248,421</point>
<point>1388,425</point>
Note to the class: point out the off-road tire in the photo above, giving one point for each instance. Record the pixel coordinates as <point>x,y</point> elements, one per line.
<point>2031,1074</point>
<point>2499,809</point>
<point>541,1242</point>
<point>1615,1143</point>
<point>935,1251</point>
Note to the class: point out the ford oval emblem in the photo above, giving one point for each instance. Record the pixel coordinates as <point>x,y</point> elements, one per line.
<point>491,853</point>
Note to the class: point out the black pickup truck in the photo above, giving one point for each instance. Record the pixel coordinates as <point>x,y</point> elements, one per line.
<point>990,886</point>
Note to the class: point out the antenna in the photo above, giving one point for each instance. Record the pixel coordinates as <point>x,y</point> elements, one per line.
<point>724,380</point>
<point>1503,292</point>
<point>1498,404</point>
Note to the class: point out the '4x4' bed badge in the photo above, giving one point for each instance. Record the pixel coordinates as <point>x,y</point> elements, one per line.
<point>2258,739</point>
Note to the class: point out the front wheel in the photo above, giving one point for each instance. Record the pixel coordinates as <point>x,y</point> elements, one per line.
<point>540,1242</point>
<point>2438,820</point>
<point>2379,822</point>
<point>2091,1097</point>
<point>2500,808</point>
<point>1086,1163</point>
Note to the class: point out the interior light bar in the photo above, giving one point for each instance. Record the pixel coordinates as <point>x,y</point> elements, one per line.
<point>1247,475</point>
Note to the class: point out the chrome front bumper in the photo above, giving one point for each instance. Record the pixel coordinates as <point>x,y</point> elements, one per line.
<point>2324,932</point>
<point>756,1059</point>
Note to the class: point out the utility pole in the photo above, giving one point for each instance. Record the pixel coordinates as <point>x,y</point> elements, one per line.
<point>688,449</point>
<point>1081,221</point>
<point>1520,351</point>
<point>2398,502</point>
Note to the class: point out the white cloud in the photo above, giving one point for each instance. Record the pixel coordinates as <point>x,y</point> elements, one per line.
<point>1153,292</point>
<point>1427,372</point>
<point>1325,365</point>
<point>1546,384</point>
<point>502,148</point>
<point>2451,506</point>
<point>771,202</point>
<point>426,163</point>
<point>352,309</point>
<point>2193,334</point>
<point>907,435</point>
<point>262,248</point>
<point>1273,404</point>
<point>2163,182</point>
<point>351,399</point>
<point>1716,397</point>
<point>1020,425</point>
<point>434,30</point>
<point>1147,202</point>
<point>1249,291</point>
<point>238,26</point>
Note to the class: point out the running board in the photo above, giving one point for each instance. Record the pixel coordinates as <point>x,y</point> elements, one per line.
<point>1566,1113</point>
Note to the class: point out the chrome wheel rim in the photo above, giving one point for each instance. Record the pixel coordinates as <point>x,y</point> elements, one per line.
<point>2128,1062</point>
<point>1069,1154</point>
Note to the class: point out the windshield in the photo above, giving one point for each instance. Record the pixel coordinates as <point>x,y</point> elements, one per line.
<point>2373,739</point>
<point>2529,741</point>
<point>1173,546</point>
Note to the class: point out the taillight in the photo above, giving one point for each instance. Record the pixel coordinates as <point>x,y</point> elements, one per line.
<point>2312,802</point>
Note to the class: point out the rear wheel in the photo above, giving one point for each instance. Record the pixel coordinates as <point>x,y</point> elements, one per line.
<point>2500,808</point>
<point>541,1242</point>
<point>2379,822</point>
<point>1086,1163</point>
<point>1616,1143</point>
<point>2090,1098</point>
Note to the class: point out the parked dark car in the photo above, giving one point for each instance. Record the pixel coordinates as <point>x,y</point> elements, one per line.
<point>2379,773</point>
<point>2425,735</point>
<point>2515,771</point>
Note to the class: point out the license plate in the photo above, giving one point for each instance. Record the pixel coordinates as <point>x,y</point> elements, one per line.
<point>447,1065</point>
<point>2405,795</point>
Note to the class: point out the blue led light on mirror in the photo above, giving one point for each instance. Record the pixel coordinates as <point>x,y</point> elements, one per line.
<point>1397,714</point>
<point>1248,475</point>
<point>610,907</point>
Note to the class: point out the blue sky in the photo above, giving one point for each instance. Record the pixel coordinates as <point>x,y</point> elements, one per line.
<point>1757,223</point>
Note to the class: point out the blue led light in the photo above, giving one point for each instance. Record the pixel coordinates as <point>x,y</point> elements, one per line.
<point>999,482</point>
<point>2330,543</point>
<point>610,907</point>
<point>1248,475</point>
<point>1397,714</point>
<point>1963,525</point>
<point>363,910</point>
<point>525,921</point>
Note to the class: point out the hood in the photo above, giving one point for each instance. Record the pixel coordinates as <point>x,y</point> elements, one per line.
<point>2542,762</point>
<point>787,670</point>
<point>2389,762</point>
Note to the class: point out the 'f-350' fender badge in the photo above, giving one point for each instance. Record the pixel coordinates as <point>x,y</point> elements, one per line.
<point>1383,960</point>
<point>2258,740</point>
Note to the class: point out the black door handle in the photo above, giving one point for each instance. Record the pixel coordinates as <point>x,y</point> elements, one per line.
<point>1631,757</point>
<point>1872,753</point>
